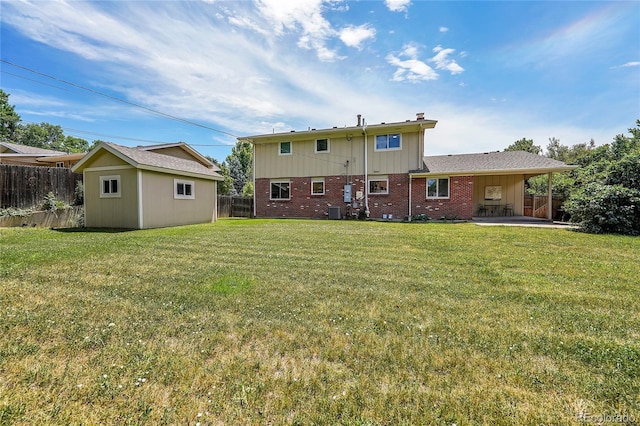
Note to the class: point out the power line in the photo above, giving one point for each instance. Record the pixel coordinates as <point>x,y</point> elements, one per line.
<point>163,114</point>
<point>79,131</point>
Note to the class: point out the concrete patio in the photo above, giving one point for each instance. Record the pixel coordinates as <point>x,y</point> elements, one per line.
<point>520,221</point>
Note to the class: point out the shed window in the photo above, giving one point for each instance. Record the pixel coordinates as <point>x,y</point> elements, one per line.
<point>110,186</point>
<point>183,189</point>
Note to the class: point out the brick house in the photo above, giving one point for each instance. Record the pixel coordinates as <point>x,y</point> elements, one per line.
<point>380,171</point>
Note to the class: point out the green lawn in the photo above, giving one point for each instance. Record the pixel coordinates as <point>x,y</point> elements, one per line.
<point>319,322</point>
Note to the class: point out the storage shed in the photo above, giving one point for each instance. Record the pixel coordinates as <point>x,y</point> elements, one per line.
<point>147,187</point>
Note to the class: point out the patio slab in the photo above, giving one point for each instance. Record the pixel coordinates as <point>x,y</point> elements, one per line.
<point>520,221</point>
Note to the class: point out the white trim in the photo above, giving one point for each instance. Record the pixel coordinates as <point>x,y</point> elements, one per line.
<point>111,178</point>
<point>272,181</point>
<point>107,168</point>
<point>188,189</point>
<point>140,202</point>
<point>317,180</point>
<point>280,148</point>
<point>315,146</point>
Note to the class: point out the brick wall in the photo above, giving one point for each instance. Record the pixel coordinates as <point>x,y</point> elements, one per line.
<point>458,205</point>
<point>304,205</point>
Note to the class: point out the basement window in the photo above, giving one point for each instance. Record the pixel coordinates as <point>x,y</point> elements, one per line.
<point>110,186</point>
<point>317,186</point>
<point>183,189</point>
<point>379,185</point>
<point>280,190</point>
<point>438,188</point>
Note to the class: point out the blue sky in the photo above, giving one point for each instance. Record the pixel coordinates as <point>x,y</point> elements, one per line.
<point>489,72</point>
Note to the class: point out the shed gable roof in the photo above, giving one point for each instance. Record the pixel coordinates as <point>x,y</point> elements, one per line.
<point>149,160</point>
<point>507,162</point>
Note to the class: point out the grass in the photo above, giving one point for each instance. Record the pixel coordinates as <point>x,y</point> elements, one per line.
<point>319,322</point>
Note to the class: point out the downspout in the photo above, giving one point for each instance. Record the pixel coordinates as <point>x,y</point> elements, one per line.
<point>366,173</point>
<point>550,196</point>
<point>253,174</point>
<point>410,180</point>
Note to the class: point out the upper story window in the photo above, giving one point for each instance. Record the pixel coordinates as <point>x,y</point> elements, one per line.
<point>280,190</point>
<point>60,164</point>
<point>183,189</point>
<point>379,185</point>
<point>110,186</point>
<point>285,148</point>
<point>322,145</point>
<point>388,142</point>
<point>438,188</point>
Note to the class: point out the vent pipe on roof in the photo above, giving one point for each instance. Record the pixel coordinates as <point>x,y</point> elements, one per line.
<point>359,120</point>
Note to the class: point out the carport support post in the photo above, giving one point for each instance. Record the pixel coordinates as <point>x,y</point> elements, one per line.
<point>550,198</point>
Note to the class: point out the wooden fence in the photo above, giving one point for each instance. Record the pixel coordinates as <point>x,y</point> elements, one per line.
<point>26,186</point>
<point>230,206</point>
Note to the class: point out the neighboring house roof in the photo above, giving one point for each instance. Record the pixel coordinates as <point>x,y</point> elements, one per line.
<point>182,146</point>
<point>148,160</point>
<point>403,126</point>
<point>7,148</point>
<point>507,162</point>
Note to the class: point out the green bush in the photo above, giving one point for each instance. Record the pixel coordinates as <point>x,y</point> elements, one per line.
<point>50,203</point>
<point>606,209</point>
<point>78,199</point>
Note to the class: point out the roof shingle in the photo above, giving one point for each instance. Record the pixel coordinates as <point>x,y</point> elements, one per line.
<point>491,162</point>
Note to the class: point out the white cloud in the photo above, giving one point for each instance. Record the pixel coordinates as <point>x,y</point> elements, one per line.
<point>443,62</point>
<point>304,16</point>
<point>413,69</point>
<point>410,69</point>
<point>398,5</point>
<point>443,29</point>
<point>631,64</point>
<point>354,36</point>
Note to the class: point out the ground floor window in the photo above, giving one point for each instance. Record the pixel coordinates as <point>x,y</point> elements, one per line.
<point>110,186</point>
<point>438,188</point>
<point>379,185</point>
<point>183,189</point>
<point>280,190</point>
<point>317,186</point>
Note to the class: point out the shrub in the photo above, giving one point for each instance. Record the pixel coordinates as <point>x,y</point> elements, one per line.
<point>606,209</point>
<point>50,203</point>
<point>78,199</point>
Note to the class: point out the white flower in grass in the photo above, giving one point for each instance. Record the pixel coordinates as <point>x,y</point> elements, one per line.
<point>79,385</point>
<point>111,324</point>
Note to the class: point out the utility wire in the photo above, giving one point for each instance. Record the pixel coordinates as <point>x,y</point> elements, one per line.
<point>163,114</point>
<point>72,131</point>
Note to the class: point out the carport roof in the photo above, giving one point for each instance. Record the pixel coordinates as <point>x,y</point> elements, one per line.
<point>490,163</point>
